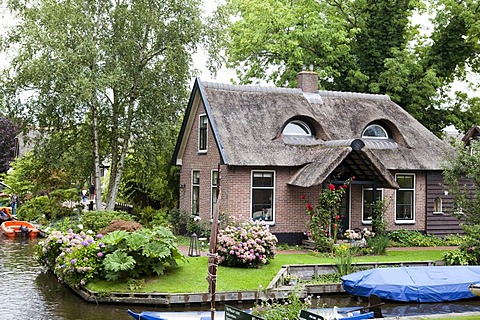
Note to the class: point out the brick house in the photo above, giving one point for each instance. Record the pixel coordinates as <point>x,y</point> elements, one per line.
<point>274,145</point>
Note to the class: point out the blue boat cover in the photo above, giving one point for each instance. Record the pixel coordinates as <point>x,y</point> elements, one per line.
<point>414,284</point>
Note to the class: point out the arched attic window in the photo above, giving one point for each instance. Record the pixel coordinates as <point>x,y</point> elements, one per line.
<point>375,131</point>
<point>297,128</point>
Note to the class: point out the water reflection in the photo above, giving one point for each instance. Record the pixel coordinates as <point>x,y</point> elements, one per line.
<point>29,293</point>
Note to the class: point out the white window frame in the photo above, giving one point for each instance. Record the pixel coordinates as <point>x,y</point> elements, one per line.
<point>435,205</point>
<point>213,189</point>
<point>305,129</point>
<point>195,185</point>
<point>363,202</point>
<point>252,188</point>
<point>412,220</point>
<point>200,130</point>
<point>378,126</point>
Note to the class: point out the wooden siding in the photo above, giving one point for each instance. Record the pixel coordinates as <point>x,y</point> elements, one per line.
<point>440,224</point>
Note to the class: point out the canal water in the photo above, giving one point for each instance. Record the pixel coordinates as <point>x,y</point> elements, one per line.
<point>29,293</point>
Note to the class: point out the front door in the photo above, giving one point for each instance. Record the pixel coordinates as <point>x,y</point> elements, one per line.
<point>344,214</point>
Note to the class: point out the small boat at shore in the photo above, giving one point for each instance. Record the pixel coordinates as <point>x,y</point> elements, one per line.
<point>15,228</point>
<point>475,288</point>
<point>5,214</point>
<point>414,284</point>
<point>351,313</point>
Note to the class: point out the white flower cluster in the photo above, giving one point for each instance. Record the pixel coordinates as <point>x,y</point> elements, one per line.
<point>367,233</point>
<point>352,235</point>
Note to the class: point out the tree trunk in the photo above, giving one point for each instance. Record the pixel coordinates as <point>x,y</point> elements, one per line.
<point>118,158</point>
<point>96,157</point>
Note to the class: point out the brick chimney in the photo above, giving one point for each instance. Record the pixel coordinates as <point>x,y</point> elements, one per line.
<point>308,80</point>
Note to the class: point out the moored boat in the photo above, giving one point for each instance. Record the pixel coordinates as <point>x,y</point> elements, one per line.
<point>475,288</point>
<point>351,313</point>
<point>19,228</point>
<point>5,214</point>
<point>414,284</point>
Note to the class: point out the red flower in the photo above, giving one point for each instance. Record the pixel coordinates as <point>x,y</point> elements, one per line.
<point>337,217</point>
<point>353,178</point>
<point>309,207</point>
<point>331,187</point>
<point>303,196</point>
<point>342,216</point>
<point>345,186</point>
<point>334,226</point>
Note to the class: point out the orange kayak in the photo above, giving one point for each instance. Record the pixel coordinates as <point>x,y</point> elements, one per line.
<point>19,228</point>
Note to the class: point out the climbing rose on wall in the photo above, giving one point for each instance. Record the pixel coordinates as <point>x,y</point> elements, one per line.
<point>325,219</point>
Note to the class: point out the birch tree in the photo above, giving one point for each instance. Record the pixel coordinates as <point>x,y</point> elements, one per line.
<point>103,72</point>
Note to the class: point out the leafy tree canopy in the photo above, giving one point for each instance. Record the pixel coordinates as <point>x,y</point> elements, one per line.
<point>8,132</point>
<point>99,74</point>
<point>363,46</point>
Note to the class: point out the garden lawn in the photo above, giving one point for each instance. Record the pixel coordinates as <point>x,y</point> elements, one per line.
<point>190,277</point>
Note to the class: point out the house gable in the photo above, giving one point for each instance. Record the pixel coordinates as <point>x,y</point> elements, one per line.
<point>197,99</point>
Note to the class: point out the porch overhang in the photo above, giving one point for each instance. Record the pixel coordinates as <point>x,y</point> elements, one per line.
<point>363,164</point>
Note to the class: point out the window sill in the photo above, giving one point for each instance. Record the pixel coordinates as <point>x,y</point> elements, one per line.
<point>405,222</point>
<point>368,222</point>
<point>270,223</point>
<point>202,152</point>
<point>438,213</point>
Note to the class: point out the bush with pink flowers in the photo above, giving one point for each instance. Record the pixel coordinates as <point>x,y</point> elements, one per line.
<point>248,245</point>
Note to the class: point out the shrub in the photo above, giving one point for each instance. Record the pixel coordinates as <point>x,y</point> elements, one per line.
<point>178,221</point>
<point>115,225</point>
<point>458,257</point>
<point>141,253</point>
<point>413,238</point>
<point>77,258</point>
<point>151,217</point>
<point>246,245</point>
<point>42,209</point>
<point>98,220</point>
<point>471,244</point>
<point>74,258</point>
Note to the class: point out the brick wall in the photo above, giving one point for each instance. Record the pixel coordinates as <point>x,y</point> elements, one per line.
<point>290,210</point>
<point>389,196</point>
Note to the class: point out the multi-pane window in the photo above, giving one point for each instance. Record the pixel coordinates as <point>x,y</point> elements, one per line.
<point>214,189</point>
<point>202,133</point>
<point>195,192</point>
<point>369,201</point>
<point>405,198</point>
<point>263,195</point>
<point>375,131</point>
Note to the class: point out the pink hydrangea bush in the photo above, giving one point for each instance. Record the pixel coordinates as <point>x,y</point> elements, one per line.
<point>76,258</point>
<point>248,245</point>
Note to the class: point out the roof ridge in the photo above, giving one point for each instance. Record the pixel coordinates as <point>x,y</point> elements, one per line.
<point>356,95</point>
<point>249,88</point>
<point>320,93</point>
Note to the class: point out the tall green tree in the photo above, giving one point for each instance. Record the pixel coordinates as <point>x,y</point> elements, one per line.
<point>8,132</point>
<point>99,74</point>
<point>360,45</point>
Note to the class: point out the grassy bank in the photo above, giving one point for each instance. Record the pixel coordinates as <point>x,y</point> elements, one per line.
<point>191,276</point>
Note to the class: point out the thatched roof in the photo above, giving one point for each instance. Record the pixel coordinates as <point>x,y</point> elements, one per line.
<point>247,122</point>
<point>473,133</point>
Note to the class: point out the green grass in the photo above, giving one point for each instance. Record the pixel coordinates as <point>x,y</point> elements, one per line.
<point>450,317</point>
<point>191,276</point>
